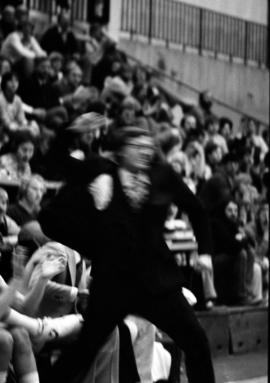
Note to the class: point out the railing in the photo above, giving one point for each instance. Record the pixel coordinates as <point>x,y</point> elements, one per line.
<point>182,24</point>
<point>190,26</point>
<point>147,26</point>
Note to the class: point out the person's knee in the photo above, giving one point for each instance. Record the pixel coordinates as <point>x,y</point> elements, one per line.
<point>6,342</point>
<point>21,339</point>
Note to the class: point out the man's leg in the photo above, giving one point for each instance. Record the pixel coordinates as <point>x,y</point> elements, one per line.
<point>24,361</point>
<point>172,314</point>
<point>105,310</point>
<point>6,349</point>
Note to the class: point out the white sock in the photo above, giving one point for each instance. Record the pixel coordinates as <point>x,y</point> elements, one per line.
<point>67,325</point>
<point>31,377</point>
<point>3,376</point>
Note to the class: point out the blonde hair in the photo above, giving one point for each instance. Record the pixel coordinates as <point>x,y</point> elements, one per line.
<point>26,182</point>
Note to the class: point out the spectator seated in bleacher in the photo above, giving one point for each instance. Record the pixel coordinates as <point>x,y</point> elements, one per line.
<point>21,48</point>
<point>212,134</point>
<point>46,108</point>
<point>226,130</point>
<point>27,207</point>
<point>213,155</point>
<point>56,60</point>
<point>12,116</point>
<point>9,231</point>
<point>233,257</point>
<point>220,186</point>
<point>71,92</point>
<point>60,38</point>
<point>199,171</point>
<point>15,165</point>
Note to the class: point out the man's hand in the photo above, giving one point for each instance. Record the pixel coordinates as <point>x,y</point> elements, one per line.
<point>204,262</point>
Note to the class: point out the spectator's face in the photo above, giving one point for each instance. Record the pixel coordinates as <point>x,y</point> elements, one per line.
<point>226,131</point>
<point>213,128</point>
<point>231,211</point>
<point>128,116</point>
<point>93,94</point>
<point>140,77</point>
<point>12,86</point>
<point>35,192</point>
<point>86,139</point>
<point>27,29</point>
<point>190,123</point>
<point>57,65</point>
<point>173,152</point>
<point>251,128</point>
<point>25,152</point>
<point>232,168</point>
<point>64,21</point>
<point>5,67</point>
<point>264,217</point>
<point>75,77</point>
<point>3,203</point>
<point>44,69</point>
<point>137,154</point>
<point>216,156</point>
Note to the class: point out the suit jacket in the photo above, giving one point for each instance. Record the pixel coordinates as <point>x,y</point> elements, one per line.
<point>52,41</point>
<point>122,241</point>
<point>37,94</point>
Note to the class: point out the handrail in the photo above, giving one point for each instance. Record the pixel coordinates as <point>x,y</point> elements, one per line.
<point>195,90</point>
<point>191,26</point>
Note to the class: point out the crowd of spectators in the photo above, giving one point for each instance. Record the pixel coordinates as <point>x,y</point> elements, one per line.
<point>64,93</point>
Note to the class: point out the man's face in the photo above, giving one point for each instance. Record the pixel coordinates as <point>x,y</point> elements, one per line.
<point>216,156</point>
<point>25,152</point>
<point>35,192</point>
<point>231,211</point>
<point>75,77</point>
<point>3,204</point>
<point>190,123</point>
<point>226,131</point>
<point>44,69</point>
<point>137,154</point>
<point>12,85</point>
<point>128,116</point>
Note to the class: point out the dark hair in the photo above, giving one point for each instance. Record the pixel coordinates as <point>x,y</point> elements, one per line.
<point>6,78</point>
<point>116,138</point>
<point>223,121</point>
<point>168,140</point>
<point>210,121</point>
<point>20,137</point>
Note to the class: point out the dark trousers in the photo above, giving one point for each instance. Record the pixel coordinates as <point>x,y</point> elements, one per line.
<point>110,301</point>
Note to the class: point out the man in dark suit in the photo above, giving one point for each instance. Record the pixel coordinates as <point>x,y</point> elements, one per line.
<point>118,221</point>
<point>60,38</point>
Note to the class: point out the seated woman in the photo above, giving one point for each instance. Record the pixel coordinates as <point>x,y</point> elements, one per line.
<point>12,115</point>
<point>9,231</point>
<point>30,195</point>
<point>16,164</point>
